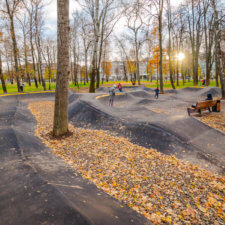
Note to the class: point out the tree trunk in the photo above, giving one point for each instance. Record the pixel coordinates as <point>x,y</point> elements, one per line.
<point>160,46</point>
<point>98,79</point>
<point>125,71</point>
<point>1,76</point>
<point>218,53</point>
<point>86,68</point>
<point>15,50</point>
<point>169,48</point>
<point>61,97</point>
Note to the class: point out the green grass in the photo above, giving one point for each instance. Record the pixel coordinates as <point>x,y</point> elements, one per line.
<point>168,85</point>
<point>12,88</point>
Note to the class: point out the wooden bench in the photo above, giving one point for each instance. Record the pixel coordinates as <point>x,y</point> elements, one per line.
<point>204,105</point>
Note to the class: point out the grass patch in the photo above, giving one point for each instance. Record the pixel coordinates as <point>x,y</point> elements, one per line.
<point>12,88</point>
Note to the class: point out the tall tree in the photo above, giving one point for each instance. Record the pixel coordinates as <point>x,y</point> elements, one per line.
<point>218,52</point>
<point>170,26</point>
<point>38,22</point>
<point>60,126</point>
<point>194,17</point>
<point>12,7</point>
<point>1,72</point>
<point>135,24</point>
<point>156,8</point>
<point>24,24</point>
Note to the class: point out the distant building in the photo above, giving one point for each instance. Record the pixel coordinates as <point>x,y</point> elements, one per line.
<point>117,70</point>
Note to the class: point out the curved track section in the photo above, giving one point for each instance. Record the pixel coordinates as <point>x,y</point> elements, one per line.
<point>161,124</point>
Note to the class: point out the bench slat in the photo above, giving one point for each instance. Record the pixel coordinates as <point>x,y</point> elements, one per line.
<point>206,104</point>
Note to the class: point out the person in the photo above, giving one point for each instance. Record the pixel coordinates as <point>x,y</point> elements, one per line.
<point>112,92</point>
<point>203,81</point>
<point>120,87</point>
<point>157,92</point>
<point>209,97</point>
<point>21,86</point>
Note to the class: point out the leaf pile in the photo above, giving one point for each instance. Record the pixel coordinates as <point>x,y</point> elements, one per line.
<point>215,120</point>
<point>162,188</point>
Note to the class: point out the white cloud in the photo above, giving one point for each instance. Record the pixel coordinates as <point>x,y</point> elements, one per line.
<point>51,16</point>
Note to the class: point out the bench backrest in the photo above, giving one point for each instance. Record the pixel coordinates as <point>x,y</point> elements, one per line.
<point>206,104</point>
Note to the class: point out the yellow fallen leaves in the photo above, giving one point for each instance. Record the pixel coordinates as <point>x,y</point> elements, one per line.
<point>162,188</point>
<point>215,120</point>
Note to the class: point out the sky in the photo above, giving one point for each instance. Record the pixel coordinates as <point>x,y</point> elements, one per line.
<point>51,16</point>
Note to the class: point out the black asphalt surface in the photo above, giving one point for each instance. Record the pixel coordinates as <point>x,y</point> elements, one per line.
<point>36,187</point>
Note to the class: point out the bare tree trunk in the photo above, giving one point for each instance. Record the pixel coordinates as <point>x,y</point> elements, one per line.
<point>94,69</point>
<point>49,69</point>
<point>94,59</point>
<point>86,69</point>
<point>98,79</point>
<point>38,44</point>
<point>137,59</point>
<point>75,67</point>
<point>125,71</point>
<point>169,48</point>
<point>218,53</point>
<point>63,58</point>
<point>15,50</point>
<point>177,73</point>
<point>1,76</point>
<point>160,45</point>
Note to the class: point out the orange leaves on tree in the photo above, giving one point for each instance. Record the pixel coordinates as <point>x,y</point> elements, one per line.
<point>131,66</point>
<point>106,66</point>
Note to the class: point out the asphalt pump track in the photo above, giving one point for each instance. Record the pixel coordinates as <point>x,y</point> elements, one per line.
<point>36,187</point>
<point>161,123</point>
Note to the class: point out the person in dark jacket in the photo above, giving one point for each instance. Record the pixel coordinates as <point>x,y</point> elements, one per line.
<point>156,92</point>
<point>112,93</point>
<point>209,97</point>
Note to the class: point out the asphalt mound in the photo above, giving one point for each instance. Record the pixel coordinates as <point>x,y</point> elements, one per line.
<point>141,94</point>
<point>145,101</point>
<point>73,97</point>
<point>172,91</point>
<point>82,114</point>
<point>148,89</point>
<point>191,89</point>
<point>103,89</point>
<point>215,91</point>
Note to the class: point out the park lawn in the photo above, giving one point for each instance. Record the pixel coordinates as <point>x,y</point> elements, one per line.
<point>167,85</point>
<point>12,88</point>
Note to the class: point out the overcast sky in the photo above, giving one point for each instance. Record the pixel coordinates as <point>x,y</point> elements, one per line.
<point>51,16</point>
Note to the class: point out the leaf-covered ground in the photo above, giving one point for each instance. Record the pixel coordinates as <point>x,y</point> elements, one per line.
<point>162,188</point>
<point>215,120</point>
